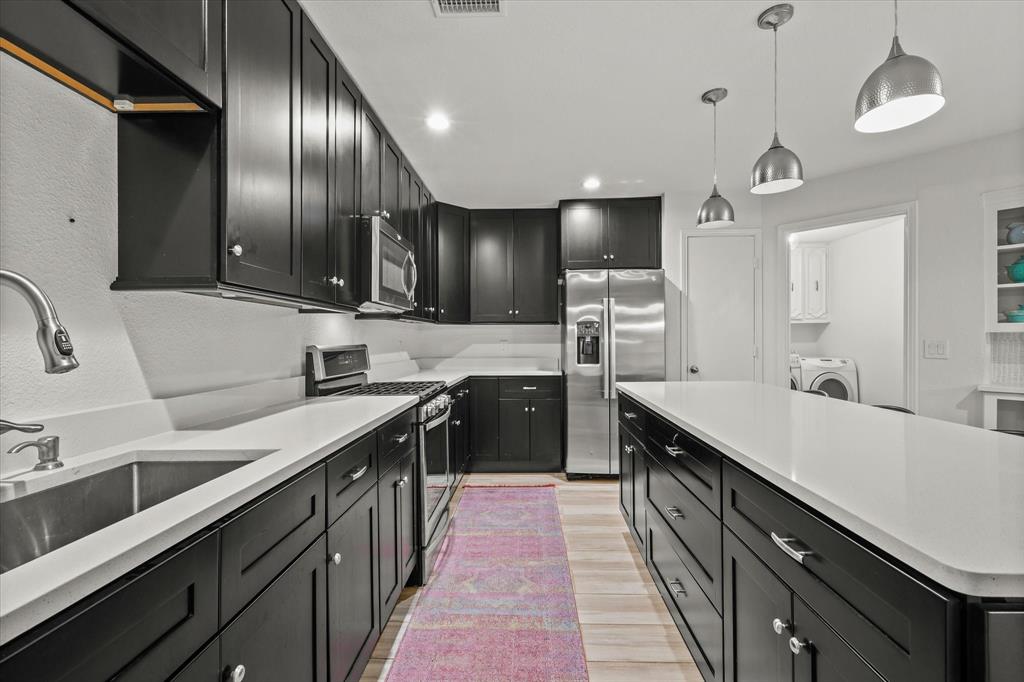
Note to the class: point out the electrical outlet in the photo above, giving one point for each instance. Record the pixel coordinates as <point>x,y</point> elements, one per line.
<point>936,349</point>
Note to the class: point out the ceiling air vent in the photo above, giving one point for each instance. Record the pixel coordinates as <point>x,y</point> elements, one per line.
<point>468,8</point>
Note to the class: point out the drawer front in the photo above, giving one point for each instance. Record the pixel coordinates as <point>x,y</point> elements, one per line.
<point>394,439</point>
<point>257,545</point>
<point>530,387</point>
<point>350,473</point>
<point>897,623</point>
<point>697,466</point>
<point>697,619</point>
<point>632,416</point>
<point>143,630</point>
<point>697,531</point>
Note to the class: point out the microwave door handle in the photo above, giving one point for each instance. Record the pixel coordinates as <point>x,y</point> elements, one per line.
<point>409,263</point>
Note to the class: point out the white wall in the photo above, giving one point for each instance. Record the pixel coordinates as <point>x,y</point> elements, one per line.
<point>58,161</point>
<point>865,280</point>
<point>946,185</point>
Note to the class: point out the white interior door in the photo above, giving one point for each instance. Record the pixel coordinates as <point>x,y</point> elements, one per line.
<point>723,310</point>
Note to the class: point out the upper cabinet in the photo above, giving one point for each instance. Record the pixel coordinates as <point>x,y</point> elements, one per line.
<point>513,266</point>
<point>808,283</point>
<point>347,165</point>
<point>452,263</point>
<point>611,233</point>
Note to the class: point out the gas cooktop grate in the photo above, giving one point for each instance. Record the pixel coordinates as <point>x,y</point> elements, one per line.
<point>417,388</point>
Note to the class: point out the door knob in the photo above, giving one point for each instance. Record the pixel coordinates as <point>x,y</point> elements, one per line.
<point>694,369</point>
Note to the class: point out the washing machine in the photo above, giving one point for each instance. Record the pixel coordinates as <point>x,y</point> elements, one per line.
<point>835,376</point>
<point>796,381</point>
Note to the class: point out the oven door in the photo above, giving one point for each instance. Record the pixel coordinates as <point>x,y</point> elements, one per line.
<point>392,270</point>
<point>436,477</point>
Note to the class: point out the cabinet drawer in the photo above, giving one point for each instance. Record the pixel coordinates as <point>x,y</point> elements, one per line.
<point>141,630</point>
<point>694,464</point>
<point>530,387</point>
<point>632,416</point>
<point>697,531</point>
<point>350,473</point>
<point>258,544</point>
<point>394,439</point>
<point>897,623</point>
<point>697,619</point>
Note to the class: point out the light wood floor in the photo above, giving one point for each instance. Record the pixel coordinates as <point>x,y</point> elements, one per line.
<point>628,634</point>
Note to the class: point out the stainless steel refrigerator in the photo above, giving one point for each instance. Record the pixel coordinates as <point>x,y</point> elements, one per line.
<point>613,330</point>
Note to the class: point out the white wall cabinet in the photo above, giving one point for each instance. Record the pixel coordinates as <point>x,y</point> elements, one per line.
<point>1002,295</point>
<point>808,283</point>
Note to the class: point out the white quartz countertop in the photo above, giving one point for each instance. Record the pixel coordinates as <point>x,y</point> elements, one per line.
<point>944,498</point>
<point>298,435</point>
<point>454,376</point>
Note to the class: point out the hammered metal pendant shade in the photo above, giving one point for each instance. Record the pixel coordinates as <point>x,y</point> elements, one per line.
<point>716,211</point>
<point>777,170</point>
<point>904,90</point>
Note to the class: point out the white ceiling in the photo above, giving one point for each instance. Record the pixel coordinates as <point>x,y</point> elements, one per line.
<point>557,90</point>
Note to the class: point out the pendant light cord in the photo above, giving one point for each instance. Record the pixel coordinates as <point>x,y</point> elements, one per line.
<point>895,20</point>
<point>714,138</point>
<point>775,102</point>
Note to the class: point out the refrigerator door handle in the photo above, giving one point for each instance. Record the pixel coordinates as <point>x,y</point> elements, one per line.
<point>612,369</point>
<point>606,356</point>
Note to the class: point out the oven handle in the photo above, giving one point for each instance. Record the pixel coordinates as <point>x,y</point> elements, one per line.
<point>437,420</point>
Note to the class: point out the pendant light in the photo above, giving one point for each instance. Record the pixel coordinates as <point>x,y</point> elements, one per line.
<point>715,211</point>
<point>778,169</point>
<point>905,89</point>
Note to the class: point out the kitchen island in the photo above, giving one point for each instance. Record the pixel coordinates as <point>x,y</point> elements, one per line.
<point>884,545</point>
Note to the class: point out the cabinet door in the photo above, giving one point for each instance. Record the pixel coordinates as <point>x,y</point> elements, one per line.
<point>754,598</point>
<point>484,418</point>
<point>626,448</point>
<point>347,169</point>
<point>546,434</point>
<point>371,153</point>
<point>514,430</point>
<point>490,269</point>
<point>262,133</point>
<point>318,212</point>
<point>634,233</point>
<point>452,264</point>
<point>796,283</point>
<point>353,625</point>
<point>535,266</point>
<point>427,257</point>
<point>824,656</point>
<point>282,635</point>
<point>391,182</point>
<point>389,506</point>
<point>584,239</point>
<point>640,479</point>
<point>183,36</point>
<point>816,282</point>
<point>407,487</point>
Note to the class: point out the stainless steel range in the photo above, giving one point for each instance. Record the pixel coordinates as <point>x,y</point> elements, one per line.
<point>341,370</point>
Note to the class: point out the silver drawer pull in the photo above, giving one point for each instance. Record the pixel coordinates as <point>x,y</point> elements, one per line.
<point>629,415</point>
<point>401,439</point>
<point>796,555</point>
<point>529,388</point>
<point>677,588</point>
<point>356,474</point>
<point>675,513</point>
<point>401,483</point>
<point>674,451</point>
<point>796,645</point>
<point>780,626</point>
<point>629,449</point>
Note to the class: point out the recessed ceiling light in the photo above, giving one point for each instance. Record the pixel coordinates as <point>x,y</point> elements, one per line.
<point>591,183</point>
<point>438,121</point>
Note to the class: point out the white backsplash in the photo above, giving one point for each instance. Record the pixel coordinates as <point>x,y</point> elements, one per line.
<point>1006,353</point>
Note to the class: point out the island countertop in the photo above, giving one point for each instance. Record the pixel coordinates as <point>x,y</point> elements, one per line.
<point>946,499</point>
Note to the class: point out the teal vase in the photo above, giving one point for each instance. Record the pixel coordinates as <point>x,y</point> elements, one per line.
<point>1016,271</point>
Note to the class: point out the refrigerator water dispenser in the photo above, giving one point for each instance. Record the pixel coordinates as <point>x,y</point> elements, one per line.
<point>588,342</point>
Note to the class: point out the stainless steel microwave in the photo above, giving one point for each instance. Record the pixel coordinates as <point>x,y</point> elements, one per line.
<point>389,271</point>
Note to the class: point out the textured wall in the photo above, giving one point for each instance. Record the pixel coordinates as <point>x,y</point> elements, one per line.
<point>58,155</point>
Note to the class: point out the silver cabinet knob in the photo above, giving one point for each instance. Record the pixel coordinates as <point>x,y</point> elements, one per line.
<point>604,256</point>
<point>237,673</point>
<point>694,369</point>
<point>780,626</point>
<point>442,311</point>
<point>796,645</point>
<point>517,312</point>
<point>457,422</point>
<point>509,312</point>
<point>611,256</point>
<point>337,281</point>
<point>677,588</point>
<point>235,250</point>
<point>629,449</point>
<point>336,558</point>
<point>533,409</point>
<point>526,409</point>
<point>401,483</point>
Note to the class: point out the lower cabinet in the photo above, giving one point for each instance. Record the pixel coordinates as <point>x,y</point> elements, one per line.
<point>397,532</point>
<point>484,420</point>
<point>633,486</point>
<point>410,482</point>
<point>517,424</point>
<point>354,622</point>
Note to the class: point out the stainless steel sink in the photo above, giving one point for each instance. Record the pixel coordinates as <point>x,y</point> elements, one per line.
<point>37,523</point>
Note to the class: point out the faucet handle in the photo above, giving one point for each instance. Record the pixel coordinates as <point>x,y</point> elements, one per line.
<point>6,426</point>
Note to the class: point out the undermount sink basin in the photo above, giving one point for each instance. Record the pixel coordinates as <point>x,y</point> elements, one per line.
<point>39,522</point>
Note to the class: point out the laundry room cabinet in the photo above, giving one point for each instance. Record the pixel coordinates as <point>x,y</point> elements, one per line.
<point>808,283</point>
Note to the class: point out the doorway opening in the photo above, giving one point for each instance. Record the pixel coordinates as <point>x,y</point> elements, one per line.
<point>848,322</point>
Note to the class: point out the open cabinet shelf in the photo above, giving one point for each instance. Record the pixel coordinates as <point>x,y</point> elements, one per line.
<point>1000,209</point>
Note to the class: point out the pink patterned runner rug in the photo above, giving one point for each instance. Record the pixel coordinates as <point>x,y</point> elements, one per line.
<point>500,605</point>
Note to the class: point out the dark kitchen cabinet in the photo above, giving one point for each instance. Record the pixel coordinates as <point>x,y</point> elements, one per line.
<point>391,181</point>
<point>535,266</point>
<point>458,429</point>
<point>490,269</point>
<point>453,265</point>
<point>546,434</point>
<point>182,36</point>
<point>824,656</point>
<point>371,170</point>
<point>408,515</point>
<point>262,135</point>
<point>611,233</point>
<point>347,162</point>
<point>282,635</point>
<point>390,530</point>
<point>318,165</point>
<point>754,598</point>
<point>633,485</point>
<point>514,420</point>
<point>353,614</point>
<point>426,285</point>
<point>484,419</point>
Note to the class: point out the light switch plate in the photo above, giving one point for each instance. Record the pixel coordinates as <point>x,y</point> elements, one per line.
<point>936,349</point>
